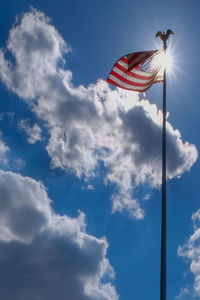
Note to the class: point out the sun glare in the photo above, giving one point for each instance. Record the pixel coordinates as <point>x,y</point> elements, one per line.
<point>163,60</point>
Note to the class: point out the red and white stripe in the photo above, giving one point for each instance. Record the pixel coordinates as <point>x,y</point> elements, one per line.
<point>128,75</point>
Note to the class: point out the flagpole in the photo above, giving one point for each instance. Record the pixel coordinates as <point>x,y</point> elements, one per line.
<point>163,266</point>
<point>163,270</point>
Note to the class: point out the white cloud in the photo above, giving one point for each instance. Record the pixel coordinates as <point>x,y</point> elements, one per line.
<point>184,291</point>
<point>34,132</point>
<point>17,164</point>
<point>90,124</point>
<point>37,47</point>
<point>22,196</point>
<point>191,251</point>
<point>146,197</point>
<point>3,151</point>
<point>90,187</point>
<point>44,254</point>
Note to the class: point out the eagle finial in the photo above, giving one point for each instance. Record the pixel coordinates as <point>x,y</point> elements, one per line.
<point>164,37</point>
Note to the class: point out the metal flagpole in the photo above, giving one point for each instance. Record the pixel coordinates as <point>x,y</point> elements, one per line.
<point>163,270</point>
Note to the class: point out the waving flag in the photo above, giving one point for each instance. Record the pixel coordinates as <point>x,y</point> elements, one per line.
<point>137,71</point>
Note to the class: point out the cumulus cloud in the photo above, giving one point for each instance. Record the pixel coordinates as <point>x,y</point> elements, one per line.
<point>3,151</point>
<point>184,291</point>
<point>191,251</point>
<point>90,124</point>
<point>45,255</point>
<point>34,132</point>
<point>16,163</point>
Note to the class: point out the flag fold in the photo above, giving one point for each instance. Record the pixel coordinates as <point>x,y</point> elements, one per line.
<point>137,71</point>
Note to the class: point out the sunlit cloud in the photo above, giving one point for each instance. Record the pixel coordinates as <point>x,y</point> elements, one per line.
<point>191,251</point>
<point>33,133</point>
<point>93,124</point>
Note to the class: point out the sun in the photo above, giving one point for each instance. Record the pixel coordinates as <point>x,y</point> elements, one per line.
<point>163,60</point>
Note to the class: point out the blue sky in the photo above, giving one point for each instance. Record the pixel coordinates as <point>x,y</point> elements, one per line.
<point>80,161</point>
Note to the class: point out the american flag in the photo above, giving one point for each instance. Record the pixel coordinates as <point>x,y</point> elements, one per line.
<point>137,71</point>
